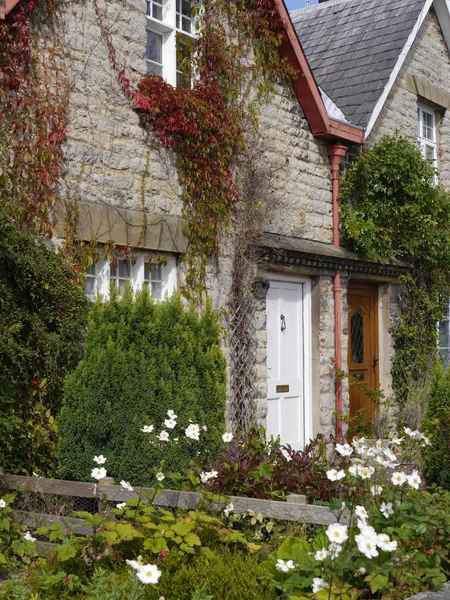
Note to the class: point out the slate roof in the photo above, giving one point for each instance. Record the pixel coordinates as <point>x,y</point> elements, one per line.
<point>352,47</point>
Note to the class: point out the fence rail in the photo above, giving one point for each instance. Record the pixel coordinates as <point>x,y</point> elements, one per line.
<point>294,509</point>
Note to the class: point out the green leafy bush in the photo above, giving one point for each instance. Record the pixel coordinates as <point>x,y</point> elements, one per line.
<point>391,208</point>
<point>141,360</point>
<point>43,312</point>
<point>253,467</point>
<point>436,424</point>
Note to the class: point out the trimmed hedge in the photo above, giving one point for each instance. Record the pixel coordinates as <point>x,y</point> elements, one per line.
<point>141,360</point>
<point>436,425</point>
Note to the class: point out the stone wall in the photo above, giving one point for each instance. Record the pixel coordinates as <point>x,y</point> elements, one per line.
<point>106,154</point>
<point>424,77</point>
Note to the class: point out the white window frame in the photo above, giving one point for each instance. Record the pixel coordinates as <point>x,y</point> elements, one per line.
<point>427,142</point>
<point>166,27</point>
<point>168,272</point>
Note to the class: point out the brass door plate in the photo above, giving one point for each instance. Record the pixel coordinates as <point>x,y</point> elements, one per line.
<point>282,388</point>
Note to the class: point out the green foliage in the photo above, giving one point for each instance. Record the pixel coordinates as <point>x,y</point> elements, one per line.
<point>15,550</point>
<point>42,317</point>
<point>392,209</point>
<point>436,424</point>
<point>141,360</point>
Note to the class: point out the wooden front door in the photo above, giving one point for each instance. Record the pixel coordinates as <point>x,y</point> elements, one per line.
<point>362,346</point>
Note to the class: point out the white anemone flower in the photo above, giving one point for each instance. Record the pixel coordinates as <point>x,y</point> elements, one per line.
<point>171,414</point>
<point>170,423</point>
<point>396,441</point>
<point>227,436</point>
<point>426,441</point>
<point>148,428</point>
<point>193,432</point>
<point>121,505</point>
<point>362,570</point>
<point>334,549</point>
<point>408,431</point>
<point>100,460</point>
<point>163,436</point>
<point>414,479</point>
<point>398,478</point>
<point>390,455</point>
<point>367,544</point>
<point>337,533</point>
<point>384,543</point>
<point>160,476</point>
<point>98,473</point>
<point>335,475</point>
<point>149,574</point>
<point>366,472</point>
<point>126,485</point>
<point>321,554</point>
<point>354,470</point>
<point>376,490</point>
<point>361,512</point>
<point>386,509</point>
<point>2,503</point>
<point>136,564</point>
<point>284,566</point>
<point>27,536</point>
<point>228,509</point>
<point>344,449</point>
<point>319,584</point>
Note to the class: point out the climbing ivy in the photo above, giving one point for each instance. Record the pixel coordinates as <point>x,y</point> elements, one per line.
<point>236,63</point>
<point>392,209</point>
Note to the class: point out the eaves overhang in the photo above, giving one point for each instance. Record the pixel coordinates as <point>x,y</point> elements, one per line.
<point>6,6</point>
<point>307,90</point>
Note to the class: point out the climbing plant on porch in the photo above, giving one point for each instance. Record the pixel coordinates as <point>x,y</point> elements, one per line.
<point>391,209</point>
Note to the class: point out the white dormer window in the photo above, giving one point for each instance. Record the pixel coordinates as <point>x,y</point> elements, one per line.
<point>426,133</point>
<point>159,278</point>
<point>170,27</point>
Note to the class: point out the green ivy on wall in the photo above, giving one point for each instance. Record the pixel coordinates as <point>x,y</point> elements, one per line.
<point>391,209</point>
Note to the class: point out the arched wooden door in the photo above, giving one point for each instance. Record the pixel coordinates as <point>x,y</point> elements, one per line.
<point>362,345</point>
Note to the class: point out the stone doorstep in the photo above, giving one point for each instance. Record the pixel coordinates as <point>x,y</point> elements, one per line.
<point>443,594</point>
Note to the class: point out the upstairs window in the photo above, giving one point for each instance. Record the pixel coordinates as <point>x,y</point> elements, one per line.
<point>170,35</point>
<point>426,133</point>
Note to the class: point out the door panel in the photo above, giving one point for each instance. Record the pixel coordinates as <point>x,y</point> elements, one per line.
<point>287,414</point>
<point>362,345</point>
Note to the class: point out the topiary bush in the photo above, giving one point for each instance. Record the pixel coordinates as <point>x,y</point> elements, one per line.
<point>436,425</point>
<point>43,312</point>
<point>142,359</point>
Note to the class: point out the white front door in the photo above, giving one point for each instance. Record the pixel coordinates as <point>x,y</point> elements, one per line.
<point>288,360</point>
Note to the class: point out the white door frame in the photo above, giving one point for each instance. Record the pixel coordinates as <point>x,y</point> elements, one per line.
<point>307,343</point>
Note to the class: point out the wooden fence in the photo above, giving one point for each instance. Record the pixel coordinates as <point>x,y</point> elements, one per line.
<point>294,509</point>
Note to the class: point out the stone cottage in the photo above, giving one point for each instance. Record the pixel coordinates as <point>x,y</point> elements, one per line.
<point>363,69</point>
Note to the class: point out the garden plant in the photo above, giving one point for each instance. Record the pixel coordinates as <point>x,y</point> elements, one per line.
<point>390,538</point>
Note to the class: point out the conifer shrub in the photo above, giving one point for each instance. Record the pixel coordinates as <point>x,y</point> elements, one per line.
<point>436,425</point>
<point>43,312</point>
<point>142,359</point>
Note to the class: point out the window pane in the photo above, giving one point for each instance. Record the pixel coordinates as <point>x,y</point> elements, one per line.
<point>444,330</point>
<point>124,269</point>
<point>357,338</point>
<point>153,68</point>
<point>186,11</point>
<point>186,24</point>
<point>156,290</point>
<point>429,152</point>
<point>157,12</point>
<point>154,47</point>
